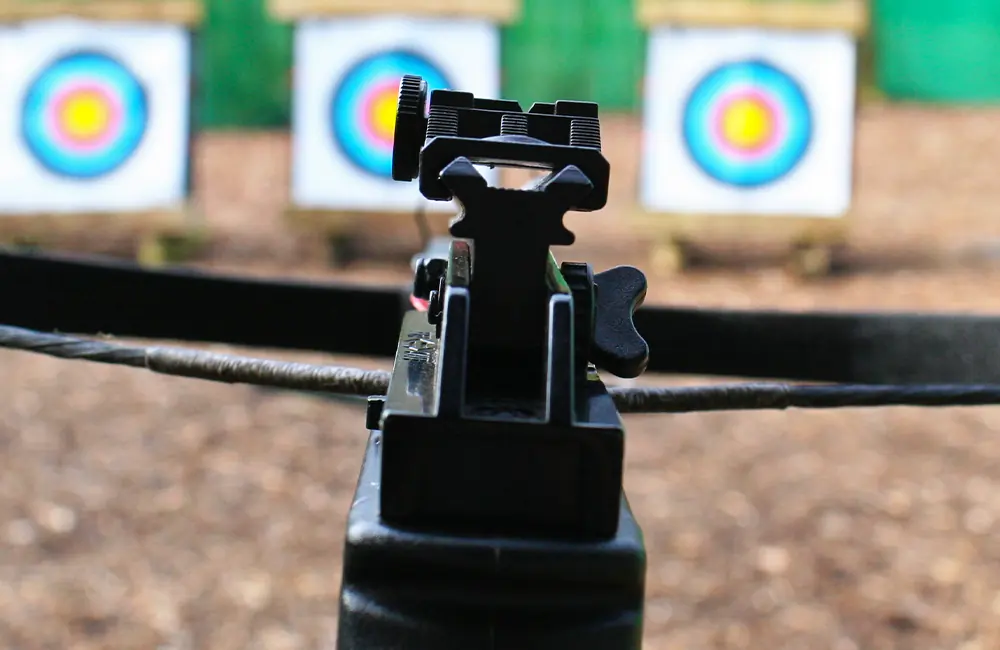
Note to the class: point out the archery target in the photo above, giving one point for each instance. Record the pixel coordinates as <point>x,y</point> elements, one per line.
<point>347,74</point>
<point>84,115</point>
<point>93,116</point>
<point>749,122</point>
<point>363,109</point>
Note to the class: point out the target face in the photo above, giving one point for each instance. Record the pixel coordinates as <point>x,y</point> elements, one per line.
<point>345,89</point>
<point>94,117</point>
<point>748,121</point>
<point>747,124</point>
<point>363,110</point>
<point>84,115</point>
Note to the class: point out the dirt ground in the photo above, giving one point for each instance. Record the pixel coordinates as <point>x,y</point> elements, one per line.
<point>140,511</point>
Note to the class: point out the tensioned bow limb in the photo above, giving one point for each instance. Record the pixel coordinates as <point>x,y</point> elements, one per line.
<point>92,295</point>
<point>87,295</point>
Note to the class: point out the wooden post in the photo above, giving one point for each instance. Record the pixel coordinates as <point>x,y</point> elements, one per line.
<point>841,15</point>
<point>184,12</point>
<point>500,11</point>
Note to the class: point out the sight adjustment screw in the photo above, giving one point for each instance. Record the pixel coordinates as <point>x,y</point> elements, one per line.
<point>514,124</point>
<point>585,132</point>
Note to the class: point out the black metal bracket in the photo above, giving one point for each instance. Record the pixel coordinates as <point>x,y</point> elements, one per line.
<point>550,136</point>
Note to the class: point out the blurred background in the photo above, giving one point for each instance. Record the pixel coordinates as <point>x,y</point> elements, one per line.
<point>792,154</point>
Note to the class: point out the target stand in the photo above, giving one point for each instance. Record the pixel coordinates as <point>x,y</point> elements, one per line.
<point>95,132</point>
<point>748,117</point>
<point>349,58</point>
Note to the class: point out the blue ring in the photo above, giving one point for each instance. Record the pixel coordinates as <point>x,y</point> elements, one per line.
<point>350,94</point>
<point>103,69</point>
<point>697,126</point>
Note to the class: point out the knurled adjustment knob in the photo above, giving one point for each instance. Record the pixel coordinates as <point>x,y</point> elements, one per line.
<point>618,347</point>
<point>411,123</point>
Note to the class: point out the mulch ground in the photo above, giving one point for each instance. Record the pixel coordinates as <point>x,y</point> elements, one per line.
<point>140,511</point>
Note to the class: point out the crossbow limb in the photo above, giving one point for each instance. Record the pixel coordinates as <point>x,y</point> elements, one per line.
<point>86,295</point>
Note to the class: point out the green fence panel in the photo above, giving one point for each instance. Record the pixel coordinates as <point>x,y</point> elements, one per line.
<point>561,49</point>
<point>542,56</point>
<point>616,51</point>
<point>243,67</point>
<point>938,50</point>
<point>590,50</point>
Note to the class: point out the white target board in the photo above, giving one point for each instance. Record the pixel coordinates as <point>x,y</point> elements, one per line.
<point>749,122</point>
<point>93,117</point>
<point>346,83</point>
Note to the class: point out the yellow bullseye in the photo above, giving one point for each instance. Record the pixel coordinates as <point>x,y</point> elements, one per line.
<point>747,124</point>
<point>384,115</point>
<point>85,116</point>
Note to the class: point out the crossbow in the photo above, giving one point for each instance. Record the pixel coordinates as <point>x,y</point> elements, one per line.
<point>489,513</point>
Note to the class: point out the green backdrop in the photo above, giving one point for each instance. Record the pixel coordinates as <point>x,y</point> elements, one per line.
<point>944,51</point>
<point>589,50</point>
<point>562,49</point>
<point>243,67</point>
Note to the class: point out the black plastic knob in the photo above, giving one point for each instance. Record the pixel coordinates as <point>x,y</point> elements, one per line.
<point>427,275</point>
<point>618,347</point>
